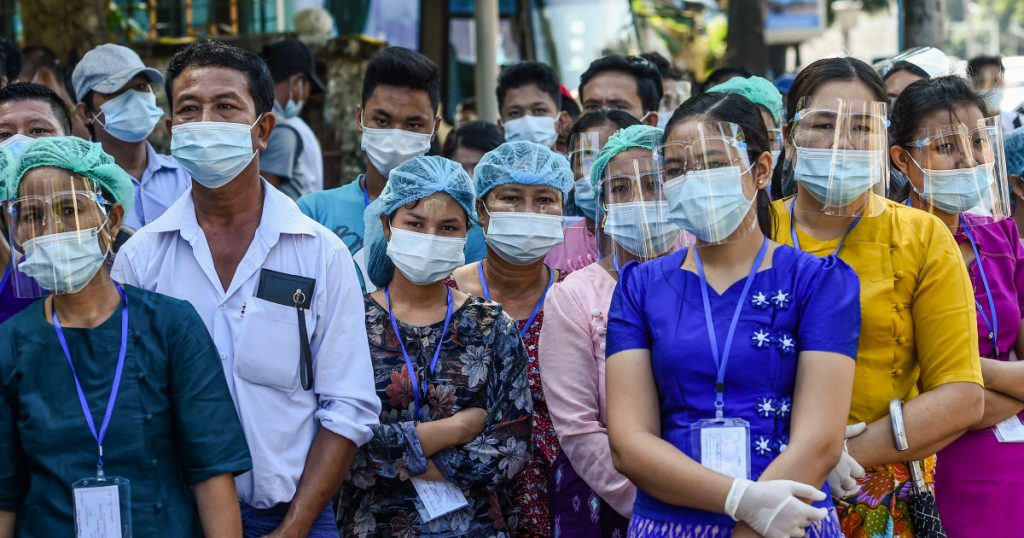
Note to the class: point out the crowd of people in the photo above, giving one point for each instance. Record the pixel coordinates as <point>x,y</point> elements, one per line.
<point>523,330</point>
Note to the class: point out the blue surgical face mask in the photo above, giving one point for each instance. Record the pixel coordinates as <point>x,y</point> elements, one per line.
<point>17,144</point>
<point>663,117</point>
<point>585,197</point>
<point>837,177</point>
<point>522,238</point>
<point>710,204</point>
<point>958,190</point>
<point>131,116</point>
<point>642,228</point>
<point>425,258</point>
<point>536,129</point>
<point>213,152</point>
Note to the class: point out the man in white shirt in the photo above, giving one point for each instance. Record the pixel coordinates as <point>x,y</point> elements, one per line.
<point>226,246</point>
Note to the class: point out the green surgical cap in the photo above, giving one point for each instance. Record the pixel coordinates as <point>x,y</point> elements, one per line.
<point>758,90</point>
<point>81,157</point>
<point>7,166</point>
<point>634,136</point>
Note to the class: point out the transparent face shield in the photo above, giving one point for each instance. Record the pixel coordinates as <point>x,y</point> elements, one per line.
<point>633,213</point>
<point>709,182</point>
<point>583,149</point>
<point>839,152</point>
<point>930,59</point>
<point>58,230</point>
<point>961,169</point>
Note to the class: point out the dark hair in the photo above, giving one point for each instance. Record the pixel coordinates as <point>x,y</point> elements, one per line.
<point>648,80</point>
<point>571,107</point>
<point>522,74</point>
<point>596,118</point>
<point>36,56</point>
<point>212,53</point>
<point>975,64</point>
<point>397,66</point>
<point>736,109</point>
<point>468,104</point>
<point>904,65</point>
<point>926,96</point>
<point>27,91</point>
<point>478,135</point>
<point>719,75</point>
<point>665,67</point>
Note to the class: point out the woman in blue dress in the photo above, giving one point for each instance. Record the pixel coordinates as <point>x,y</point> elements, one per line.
<point>730,365</point>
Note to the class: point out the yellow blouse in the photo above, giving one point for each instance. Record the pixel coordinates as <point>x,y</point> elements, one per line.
<point>918,321</point>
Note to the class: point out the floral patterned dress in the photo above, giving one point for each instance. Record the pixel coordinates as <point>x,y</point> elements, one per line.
<point>482,364</point>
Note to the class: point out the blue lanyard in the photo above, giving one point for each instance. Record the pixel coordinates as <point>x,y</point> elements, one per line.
<point>536,309</point>
<point>408,362</point>
<point>723,362</point>
<point>3,281</point>
<point>362,188</point>
<point>113,389</point>
<point>796,241</point>
<point>991,323</point>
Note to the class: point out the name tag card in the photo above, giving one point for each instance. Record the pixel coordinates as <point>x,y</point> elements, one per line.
<point>102,508</point>
<point>1010,430</point>
<point>438,498</point>
<point>724,445</point>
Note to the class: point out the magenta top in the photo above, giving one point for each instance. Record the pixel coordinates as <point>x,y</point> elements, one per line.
<point>1002,257</point>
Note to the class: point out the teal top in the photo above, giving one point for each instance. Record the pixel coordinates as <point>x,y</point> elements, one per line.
<point>173,425</point>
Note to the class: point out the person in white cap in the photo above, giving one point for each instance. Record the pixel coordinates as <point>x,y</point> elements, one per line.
<point>117,105</point>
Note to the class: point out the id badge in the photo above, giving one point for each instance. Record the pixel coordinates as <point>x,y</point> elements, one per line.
<point>437,498</point>
<point>1010,430</point>
<point>723,445</point>
<point>103,507</point>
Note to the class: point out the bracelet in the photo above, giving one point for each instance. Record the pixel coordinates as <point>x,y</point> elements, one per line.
<point>899,428</point>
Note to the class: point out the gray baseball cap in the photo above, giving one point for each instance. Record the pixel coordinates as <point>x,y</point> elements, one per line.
<point>107,68</point>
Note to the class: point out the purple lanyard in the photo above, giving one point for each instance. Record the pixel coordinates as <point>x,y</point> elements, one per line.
<point>723,362</point>
<point>796,241</point>
<point>3,281</point>
<point>113,389</point>
<point>536,309</point>
<point>408,362</point>
<point>991,323</point>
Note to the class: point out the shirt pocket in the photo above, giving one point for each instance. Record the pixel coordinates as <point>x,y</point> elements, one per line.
<point>268,344</point>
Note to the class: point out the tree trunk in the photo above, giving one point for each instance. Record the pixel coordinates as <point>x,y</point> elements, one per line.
<point>69,27</point>
<point>744,45</point>
<point>923,24</point>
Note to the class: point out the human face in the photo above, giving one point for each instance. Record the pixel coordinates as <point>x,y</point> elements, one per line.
<point>467,157</point>
<point>89,116</point>
<point>615,90</point>
<point>515,197</point>
<point>948,152</point>
<point>897,82</point>
<point>53,200</point>
<point>296,87</point>
<point>215,93</point>
<point>29,117</point>
<point>394,107</point>
<point>827,96</point>
<point>583,146</point>
<point>438,214</point>
<point>528,100</point>
<point>629,177</point>
<point>989,77</point>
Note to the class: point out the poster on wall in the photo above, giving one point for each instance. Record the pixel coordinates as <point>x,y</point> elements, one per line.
<point>793,21</point>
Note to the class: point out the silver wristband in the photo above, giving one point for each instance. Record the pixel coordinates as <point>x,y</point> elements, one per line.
<point>899,428</point>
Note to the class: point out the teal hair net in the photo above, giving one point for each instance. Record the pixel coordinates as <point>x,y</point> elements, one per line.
<point>8,164</point>
<point>413,180</point>
<point>634,136</point>
<point>758,90</point>
<point>525,163</point>
<point>1014,141</point>
<point>81,157</point>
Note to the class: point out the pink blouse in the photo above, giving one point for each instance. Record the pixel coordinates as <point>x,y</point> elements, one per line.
<point>572,371</point>
<point>578,250</point>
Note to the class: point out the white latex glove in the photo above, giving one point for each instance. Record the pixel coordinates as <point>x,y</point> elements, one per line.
<point>842,479</point>
<point>774,508</point>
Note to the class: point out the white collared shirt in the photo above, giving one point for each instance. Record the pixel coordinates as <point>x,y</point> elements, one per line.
<point>258,340</point>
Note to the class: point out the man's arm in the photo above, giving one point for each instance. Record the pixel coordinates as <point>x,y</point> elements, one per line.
<point>217,502</point>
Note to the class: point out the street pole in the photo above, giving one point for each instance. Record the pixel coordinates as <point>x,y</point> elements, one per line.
<point>486,23</point>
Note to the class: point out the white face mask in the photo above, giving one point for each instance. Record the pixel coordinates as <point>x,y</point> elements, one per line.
<point>642,228</point>
<point>425,258</point>
<point>63,262</point>
<point>213,152</point>
<point>388,148</point>
<point>523,238</point>
<point>536,129</point>
<point>292,108</point>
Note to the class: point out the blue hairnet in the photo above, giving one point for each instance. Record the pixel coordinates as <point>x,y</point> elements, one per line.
<point>81,157</point>
<point>1014,142</point>
<point>413,180</point>
<point>8,165</point>
<point>525,163</point>
<point>758,90</point>
<point>634,136</point>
